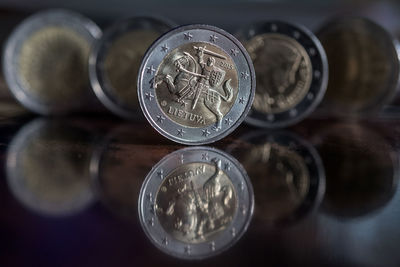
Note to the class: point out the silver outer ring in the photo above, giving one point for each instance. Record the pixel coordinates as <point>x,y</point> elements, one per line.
<point>225,239</point>
<point>11,51</point>
<point>174,39</point>
<point>320,74</point>
<point>96,73</point>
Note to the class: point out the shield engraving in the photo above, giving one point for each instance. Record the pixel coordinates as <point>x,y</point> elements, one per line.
<point>216,77</point>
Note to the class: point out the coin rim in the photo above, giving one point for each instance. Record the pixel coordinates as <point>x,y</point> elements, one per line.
<point>222,133</point>
<point>265,26</point>
<point>234,239</point>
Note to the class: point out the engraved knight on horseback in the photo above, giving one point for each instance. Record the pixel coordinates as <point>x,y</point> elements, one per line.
<point>199,80</point>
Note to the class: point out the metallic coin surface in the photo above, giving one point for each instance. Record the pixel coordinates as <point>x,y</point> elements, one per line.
<point>364,65</point>
<point>45,61</point>
<point>47,168</point>
<point>291,70</point>
<point>287,77</point>
<point>115,61</point>
<point>196,84</point>
<point>288,175</point>
<point>196,202</point>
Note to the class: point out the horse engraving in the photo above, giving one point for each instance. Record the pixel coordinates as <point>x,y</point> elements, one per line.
<point>199,81</point>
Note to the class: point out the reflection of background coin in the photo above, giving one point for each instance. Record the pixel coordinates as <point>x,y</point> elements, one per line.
<point>364,65</point>
<point>45,61</point>
<point>48,168</point>
<point>196,84</point>
<point>287,174</point>
<point>195,203</point>
<point>291,69</point>
<point>115,60</point>
<point>360,178</point>
<point>120,163</point>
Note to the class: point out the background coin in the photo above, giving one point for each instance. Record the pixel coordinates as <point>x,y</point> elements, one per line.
<point>195,203</point>
<point>364,66</point>
<point>292,72</point>
<point>196,84</point>
<point>45,61</point>
<point>115,61</point>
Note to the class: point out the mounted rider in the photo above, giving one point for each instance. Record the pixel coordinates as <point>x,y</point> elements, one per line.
<point>210,76</point>
<point>207,68</point>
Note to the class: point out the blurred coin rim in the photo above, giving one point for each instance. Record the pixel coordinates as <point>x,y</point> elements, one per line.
<point>12,48</point>
<point>390,94</point>
<point>101,48</point>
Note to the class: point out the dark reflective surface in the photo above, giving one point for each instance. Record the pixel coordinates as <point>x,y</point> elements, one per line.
<point>326,193</point>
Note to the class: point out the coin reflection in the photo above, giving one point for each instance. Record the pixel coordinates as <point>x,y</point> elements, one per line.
<point>120,163</point>
<point>48,168</point>
<point>287,173</point>
<point>361,170</point>
<point>196,202</point>
<point>196,210</point>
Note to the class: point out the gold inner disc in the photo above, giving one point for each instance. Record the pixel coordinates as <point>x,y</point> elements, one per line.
<point>196,84</point>
<point>195,202</point>
<point>53,65</point>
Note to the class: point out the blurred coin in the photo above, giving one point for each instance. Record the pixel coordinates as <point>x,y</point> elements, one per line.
<point>364,65</point>
<point>48,168</point>
<point>196,84</point>
<point>195,203</point>
<point>292,72</point>
<point>287,174</point>
<point>115,61</point>
<point>45,61</point>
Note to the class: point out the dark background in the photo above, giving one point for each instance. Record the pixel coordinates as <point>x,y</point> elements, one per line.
<point>357,223</point>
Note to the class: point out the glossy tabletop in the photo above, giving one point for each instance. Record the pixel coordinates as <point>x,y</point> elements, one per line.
<point>325,191</point>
